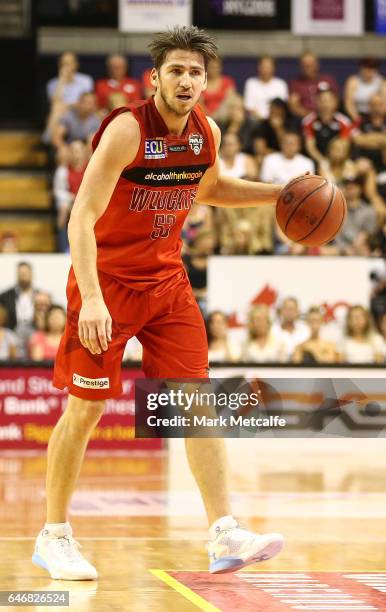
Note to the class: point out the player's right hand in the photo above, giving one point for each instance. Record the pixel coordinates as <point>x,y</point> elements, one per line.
<point>94,325</point>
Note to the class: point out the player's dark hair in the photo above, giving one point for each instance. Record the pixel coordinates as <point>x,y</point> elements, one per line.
<point>24,263</point>
<point>189,38</point>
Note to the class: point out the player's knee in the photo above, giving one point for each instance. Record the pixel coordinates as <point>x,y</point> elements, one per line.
<point>84,414</point>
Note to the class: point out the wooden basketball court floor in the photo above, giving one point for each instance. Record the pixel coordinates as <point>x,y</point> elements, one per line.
<point>139,519</point>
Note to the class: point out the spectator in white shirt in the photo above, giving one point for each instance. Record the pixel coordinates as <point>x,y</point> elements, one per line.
<point>289,329</point>
<point>262,345</point>
<point>281,167</point>
<point>261,90</point>
<point>361,344</point>
<point>232,161</point>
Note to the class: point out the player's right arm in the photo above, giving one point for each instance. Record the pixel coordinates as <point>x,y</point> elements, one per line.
<point>117,149</point>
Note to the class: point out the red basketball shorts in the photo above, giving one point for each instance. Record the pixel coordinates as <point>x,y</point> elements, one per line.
<point>165,319</point>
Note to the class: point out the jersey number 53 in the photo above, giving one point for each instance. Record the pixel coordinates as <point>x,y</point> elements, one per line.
<point>162,226</point>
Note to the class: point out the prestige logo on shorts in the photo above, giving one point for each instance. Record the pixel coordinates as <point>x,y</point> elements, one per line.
<point>90,383</point>
<point>155,148</point>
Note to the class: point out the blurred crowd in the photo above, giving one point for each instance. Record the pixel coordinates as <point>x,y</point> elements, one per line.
<point>31,326</point>
<point>271,131</point>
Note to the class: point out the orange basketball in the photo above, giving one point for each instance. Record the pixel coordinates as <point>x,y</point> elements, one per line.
<point>311,210</point>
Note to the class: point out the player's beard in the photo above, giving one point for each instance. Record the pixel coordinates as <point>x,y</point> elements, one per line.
<point>171,108</point>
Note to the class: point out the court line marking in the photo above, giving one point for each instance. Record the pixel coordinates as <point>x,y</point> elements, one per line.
<point>195,599</point>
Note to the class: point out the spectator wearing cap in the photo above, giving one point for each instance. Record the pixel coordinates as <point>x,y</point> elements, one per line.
<point>259,91</point>
<point>370,137</point>
<point>117,81</point>
<point>361,221</point>
<point>320,127</point>
<point>361,87</point>
<point>304,89</point>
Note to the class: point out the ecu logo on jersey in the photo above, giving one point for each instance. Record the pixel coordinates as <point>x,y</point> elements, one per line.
<point>195,142</point>
<point>155,148</point>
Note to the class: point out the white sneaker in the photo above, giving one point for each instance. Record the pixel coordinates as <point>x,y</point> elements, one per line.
<point>59,555</point>
<point>233,547</point>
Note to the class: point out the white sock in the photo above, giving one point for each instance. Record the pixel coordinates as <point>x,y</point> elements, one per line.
<point>58,528</point>
<point>224,522</point>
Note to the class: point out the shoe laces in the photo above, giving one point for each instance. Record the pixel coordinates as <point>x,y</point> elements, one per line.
<point>68,546</point>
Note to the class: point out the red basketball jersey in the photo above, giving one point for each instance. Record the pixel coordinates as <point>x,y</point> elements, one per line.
<point>138,236</point>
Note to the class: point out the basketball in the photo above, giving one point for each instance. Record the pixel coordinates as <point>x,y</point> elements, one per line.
<point>311,210</point>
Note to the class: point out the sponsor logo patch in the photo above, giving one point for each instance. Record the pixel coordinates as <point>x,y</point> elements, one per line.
<point>195,142</point>
<point>172,176</point>
<point>182,148</point>
<point>90,383</point>
<point>155,148</point>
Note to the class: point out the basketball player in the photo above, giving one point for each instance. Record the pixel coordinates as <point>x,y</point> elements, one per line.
<point>151,161</point>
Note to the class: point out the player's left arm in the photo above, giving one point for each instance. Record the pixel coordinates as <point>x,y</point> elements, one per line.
<point>226,191</point>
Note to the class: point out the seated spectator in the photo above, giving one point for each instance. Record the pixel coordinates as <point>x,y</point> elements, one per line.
<point>361,87</point>
<point>380,179</point>
<point>382,329</point>
<point>246,231</point>
<point>262,346</point>
<point>289,329</point>
<point>337,165</point>
<point>79,123</point>
<point>361,221</point>
<point>324,124</point>
<point>44,344</point>
<point>196,263</point>
<point>64,92</point>
<point>115,100</point>
<point>261,90</point>
<point>220,88</point>
<point>233,162</point>
<point>8,339</point>
<point>8,243</point>
<point>241,238</point>
<point>315,350</point>
<point>67,179</point>
<point>147,86</point>
<point>117,81</point>
<point>70,84</point>
<point>370,136</point>
<point>268,133</point>
<point>221,348</point>
<point>361,344</point>
<point>279,168</point>
<point>19,304</point>
<point>304,89</point>
<point>42,302</point>
<point>238,122</point>
<point>200,219</point>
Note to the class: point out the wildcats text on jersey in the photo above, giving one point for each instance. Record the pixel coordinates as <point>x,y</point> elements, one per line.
<point>167,199</point>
